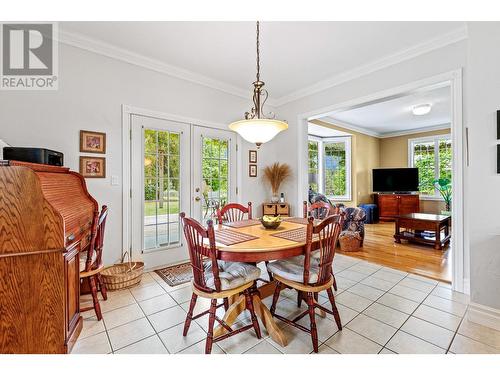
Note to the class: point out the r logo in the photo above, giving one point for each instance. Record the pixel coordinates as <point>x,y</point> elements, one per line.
<point>27,49</point>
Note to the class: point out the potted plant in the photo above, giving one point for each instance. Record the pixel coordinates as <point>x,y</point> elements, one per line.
<point>275,175</point>
<point>444,187</point>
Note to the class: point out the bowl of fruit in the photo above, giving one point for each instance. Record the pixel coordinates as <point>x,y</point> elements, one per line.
<point>270,222</point>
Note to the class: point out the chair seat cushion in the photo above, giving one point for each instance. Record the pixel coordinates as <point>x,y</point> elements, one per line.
<point>231,274</point>
<point>83,259</point>
<point>293,269</point>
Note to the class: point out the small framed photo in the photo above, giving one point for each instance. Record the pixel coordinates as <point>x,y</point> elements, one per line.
<point>93,142</point>
<point>92,167</point>
<point>252,156</point>
<point>252,170</point>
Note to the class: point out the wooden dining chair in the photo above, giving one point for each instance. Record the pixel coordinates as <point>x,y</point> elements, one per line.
<point>318,210</point>
<point>234,212</point>
<point>309,275</point>
<point>215,280</point>
<point>91,263</point>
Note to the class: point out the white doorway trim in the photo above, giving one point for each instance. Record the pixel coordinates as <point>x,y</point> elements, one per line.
<point>460,251</point>
<point>127,112</point>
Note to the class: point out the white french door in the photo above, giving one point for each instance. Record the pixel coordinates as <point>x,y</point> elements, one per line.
<point>175,167</point>
<point>214,171</point>
<point>160,180</point>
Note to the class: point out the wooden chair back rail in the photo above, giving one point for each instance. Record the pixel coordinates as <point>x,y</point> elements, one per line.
<point>97,240</point>
<point>196,236</point>
<point>328,232</point>
<point>234,212</point>
<point>317,210</point>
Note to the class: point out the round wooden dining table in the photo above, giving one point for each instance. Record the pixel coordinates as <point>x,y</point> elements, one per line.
<point>264,247</point>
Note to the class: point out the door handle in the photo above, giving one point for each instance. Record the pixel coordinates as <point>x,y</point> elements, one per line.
<point>197,199</point>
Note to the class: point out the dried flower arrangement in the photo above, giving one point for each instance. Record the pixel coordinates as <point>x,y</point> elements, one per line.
<point>276,174</point>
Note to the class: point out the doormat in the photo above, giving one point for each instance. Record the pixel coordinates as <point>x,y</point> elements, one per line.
<point>176,275</point>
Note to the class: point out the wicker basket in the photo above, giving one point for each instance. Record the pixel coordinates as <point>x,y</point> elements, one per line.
<point>349,242</point>
<point>122,275</point>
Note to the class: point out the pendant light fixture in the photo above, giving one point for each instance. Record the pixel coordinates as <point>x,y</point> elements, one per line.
<point>257,128</point>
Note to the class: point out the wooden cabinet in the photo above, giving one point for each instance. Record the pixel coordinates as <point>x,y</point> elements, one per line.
<point>45,218</point>
<point>391,205</point>
<point>282,209</point>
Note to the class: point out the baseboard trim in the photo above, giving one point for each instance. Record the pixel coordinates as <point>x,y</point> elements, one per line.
<point>484,315</point>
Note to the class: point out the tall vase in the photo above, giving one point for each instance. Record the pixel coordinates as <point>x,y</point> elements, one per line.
<point>275,198</point>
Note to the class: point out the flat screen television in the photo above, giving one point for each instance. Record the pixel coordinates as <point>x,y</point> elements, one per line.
<point>390,180</point>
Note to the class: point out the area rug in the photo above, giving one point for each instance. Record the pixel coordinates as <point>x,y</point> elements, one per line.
<point>176,275</point>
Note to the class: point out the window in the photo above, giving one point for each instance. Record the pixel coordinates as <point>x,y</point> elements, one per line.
<point>330,166</point>
<point>432,156</point>
<point>313,165</point>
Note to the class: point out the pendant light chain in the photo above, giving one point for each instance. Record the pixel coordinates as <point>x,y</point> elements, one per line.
<point>258,52</point>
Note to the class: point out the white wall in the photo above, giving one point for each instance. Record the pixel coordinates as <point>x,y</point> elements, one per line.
<point>482,102</point>
<point>92,89</point>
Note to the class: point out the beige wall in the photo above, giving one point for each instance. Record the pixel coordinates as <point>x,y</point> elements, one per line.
<point>365,153</point>
<point>370,152</point>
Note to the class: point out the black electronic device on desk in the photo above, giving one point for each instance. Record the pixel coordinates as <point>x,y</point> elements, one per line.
<point>34,155</point>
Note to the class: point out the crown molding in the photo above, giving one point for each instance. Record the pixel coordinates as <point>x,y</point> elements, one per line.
<point>395,58</point>
<point>121,54</point>
<point>349,126</point>
<point>372,133</point>
<point>416,130</point>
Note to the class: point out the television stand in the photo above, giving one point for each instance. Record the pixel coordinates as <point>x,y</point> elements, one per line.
<point>392,205</point>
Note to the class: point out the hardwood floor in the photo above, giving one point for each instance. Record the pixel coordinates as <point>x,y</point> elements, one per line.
<point>379,247</point>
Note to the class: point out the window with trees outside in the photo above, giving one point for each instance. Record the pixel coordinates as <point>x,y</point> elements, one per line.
<point>161,188</point>
<point>330,166</point>
<point>433,158</point>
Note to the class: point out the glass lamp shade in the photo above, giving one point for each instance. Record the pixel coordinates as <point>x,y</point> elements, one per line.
<point>258,131</point>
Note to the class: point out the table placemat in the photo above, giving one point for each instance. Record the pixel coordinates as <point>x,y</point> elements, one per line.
<point>230,237</point>
<point>242,223</point>
<point>296,235</point>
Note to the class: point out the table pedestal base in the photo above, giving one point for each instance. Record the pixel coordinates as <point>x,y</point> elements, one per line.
<point>238,306</point>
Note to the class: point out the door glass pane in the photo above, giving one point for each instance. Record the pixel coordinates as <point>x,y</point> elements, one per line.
<point>215,176</point>
<point>161,189</point>
<point>424,159</point>
<point>335,168</point>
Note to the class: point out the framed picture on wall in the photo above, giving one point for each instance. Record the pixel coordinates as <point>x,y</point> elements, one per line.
<point>252,156</point>
<point>93,142</point>
<point>92,167</point>
<point>252,170</point>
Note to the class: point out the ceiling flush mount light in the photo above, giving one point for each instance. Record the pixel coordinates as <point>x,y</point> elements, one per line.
<point>257,128</point>
<point>422,109</point>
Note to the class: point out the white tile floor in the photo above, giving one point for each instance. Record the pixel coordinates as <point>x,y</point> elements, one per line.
<point>383,311</point>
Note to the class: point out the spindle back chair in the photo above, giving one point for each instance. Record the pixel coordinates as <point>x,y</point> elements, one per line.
<point>234,212</point>
<point>202,249</point>
<point>94,264</point>
<point>326,233</point>
<point>318,210</point>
